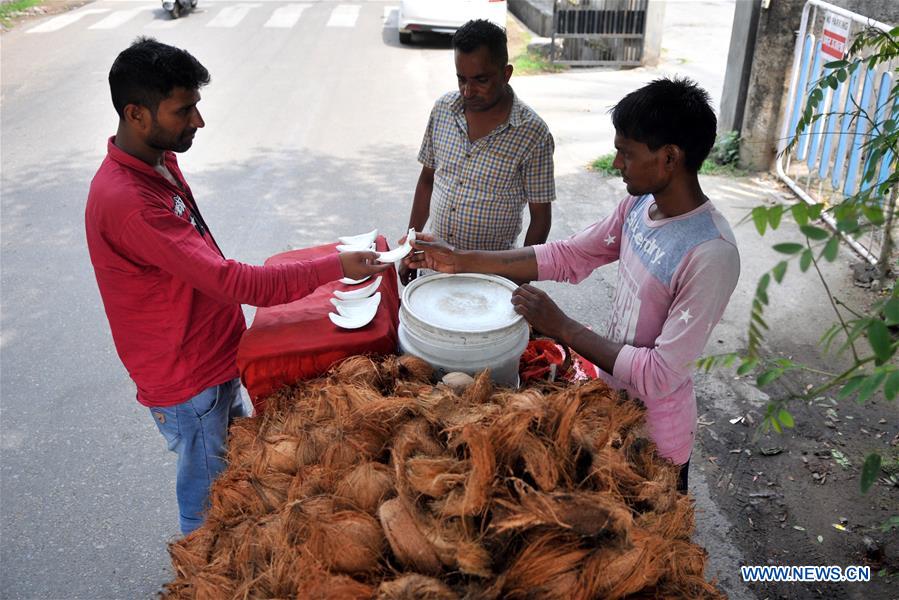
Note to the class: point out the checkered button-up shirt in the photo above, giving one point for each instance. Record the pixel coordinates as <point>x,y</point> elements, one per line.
<point>481,187</point>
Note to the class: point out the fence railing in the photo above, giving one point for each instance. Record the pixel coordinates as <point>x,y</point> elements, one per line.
<point>827,163</point>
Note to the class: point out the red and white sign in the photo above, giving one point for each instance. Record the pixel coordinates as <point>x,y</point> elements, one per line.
<point>835,36</point>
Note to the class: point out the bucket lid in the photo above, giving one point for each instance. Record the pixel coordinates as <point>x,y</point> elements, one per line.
<point>465,302</point>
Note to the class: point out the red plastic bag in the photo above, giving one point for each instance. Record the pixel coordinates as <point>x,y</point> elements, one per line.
<point>544,359</point>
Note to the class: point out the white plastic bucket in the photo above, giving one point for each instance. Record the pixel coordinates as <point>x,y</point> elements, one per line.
<point>464,322</point>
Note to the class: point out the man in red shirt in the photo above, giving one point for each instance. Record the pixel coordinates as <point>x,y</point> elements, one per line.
<point>171,297</point>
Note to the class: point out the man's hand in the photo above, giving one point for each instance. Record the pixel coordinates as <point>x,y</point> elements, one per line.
<point>544,316</point>
<point>542,313</point>
<point>357,265</point>
<point>406,274</point>
<point>431,253</point>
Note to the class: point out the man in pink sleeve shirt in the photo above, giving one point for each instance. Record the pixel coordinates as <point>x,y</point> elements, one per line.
<point>678,263</point>
<point>171,297</point>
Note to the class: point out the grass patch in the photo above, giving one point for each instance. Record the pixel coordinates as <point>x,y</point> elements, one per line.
<point>710,167</point>
<point>524,61</point>
<point>10,10</point>
<point>603,166</point>
<point>530,63</point>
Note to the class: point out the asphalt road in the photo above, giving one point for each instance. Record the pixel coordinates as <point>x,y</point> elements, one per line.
<point>313,121</point>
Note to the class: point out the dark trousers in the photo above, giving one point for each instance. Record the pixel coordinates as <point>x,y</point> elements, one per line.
<point>682,477</point>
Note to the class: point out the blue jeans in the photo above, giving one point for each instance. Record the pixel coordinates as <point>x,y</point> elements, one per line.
<point>197,431</point>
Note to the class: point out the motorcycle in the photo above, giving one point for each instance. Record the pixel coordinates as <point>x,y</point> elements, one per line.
<point>177,7</point>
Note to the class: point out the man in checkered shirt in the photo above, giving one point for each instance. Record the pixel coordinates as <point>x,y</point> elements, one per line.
<point>485,155</point>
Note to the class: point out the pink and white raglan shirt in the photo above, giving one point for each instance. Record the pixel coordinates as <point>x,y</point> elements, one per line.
<point>675,277</point>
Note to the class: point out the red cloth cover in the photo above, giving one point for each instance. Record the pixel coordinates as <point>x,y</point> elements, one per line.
<point>296,341</point>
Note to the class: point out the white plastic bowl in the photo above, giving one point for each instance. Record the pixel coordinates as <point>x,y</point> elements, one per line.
<point>363,239</point>
<point>356,321</point>
<point>360,292</point>
<point>392,256</point>
<point>354,308</point>
<point>348,281</point>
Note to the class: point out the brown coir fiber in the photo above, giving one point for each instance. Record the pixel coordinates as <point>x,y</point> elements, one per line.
<point>372,482</point>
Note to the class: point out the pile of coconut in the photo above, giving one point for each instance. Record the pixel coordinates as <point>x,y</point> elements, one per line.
<point>374,483</point>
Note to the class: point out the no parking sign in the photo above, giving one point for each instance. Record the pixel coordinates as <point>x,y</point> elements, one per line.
<point>835,36</point>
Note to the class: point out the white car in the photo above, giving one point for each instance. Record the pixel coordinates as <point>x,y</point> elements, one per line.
<point>446,16</point>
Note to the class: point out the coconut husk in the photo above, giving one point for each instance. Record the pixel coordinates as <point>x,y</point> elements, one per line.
<point>388,411</point>
<point>271,487</point>
<point>473,559</point>
<point>368,438</point>
<point>233,495</point>
<point>259,544</point>
<point>483,469</point>
<point>587,514</point>
<point>366,486</point>
<point>242,436</point>
<point>298,517</point>
<point>610,471</point>
<point>412,368</point>
<point>310,481</point>
<point>540,463</point>
<point>281,454</point>
<point>685,560</point>
<point>337,402</point>
<point>411,389</point>
<point>415,587</point>
<point>479,391</point>
<point>334,587</point>
<point>345,542</point>
<point>474,415</point>
<point>515,423</point>
<point>389,370</point>
<point>210,585</point>
<point>190,554</point>
<point>279,577</point>
<point>414,437</point>
<point>547,492</point>
<point>293,423</point>
<point>548,567</point>
<point>565,406</point>
<point>458,549</point>
<point>404,532</point>
<point>612,574</point>
<point>677,523</point>
<point>435,477</point>
<point>529,401</point>
<point>357,369</point>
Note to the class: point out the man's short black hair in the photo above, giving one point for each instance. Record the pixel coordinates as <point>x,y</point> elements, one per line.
<point>147,71</point>
<point>480,32</point>
<point>669,111</point>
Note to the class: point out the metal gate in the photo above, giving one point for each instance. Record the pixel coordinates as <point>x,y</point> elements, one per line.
<point>599,32</point>
<point>827,163</point>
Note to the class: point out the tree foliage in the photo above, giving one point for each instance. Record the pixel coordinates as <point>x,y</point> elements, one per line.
<point>872,365</point>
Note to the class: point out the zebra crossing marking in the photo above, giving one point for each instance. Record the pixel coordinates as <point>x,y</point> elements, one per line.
<point>286,16</point>
<point>119,17</point>
<point>227,14</point>
<point>230,16</point>
<point>57,23</point>
<point>344,15</point>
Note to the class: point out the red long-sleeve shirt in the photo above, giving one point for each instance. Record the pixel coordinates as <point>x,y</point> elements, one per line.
<point>172,300</point>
